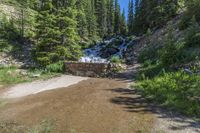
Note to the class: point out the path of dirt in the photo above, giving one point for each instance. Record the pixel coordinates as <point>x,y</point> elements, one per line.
<point>26,89</point>
<point>93,106</point>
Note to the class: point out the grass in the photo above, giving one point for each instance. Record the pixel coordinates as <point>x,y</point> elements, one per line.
<point>176,90</point>
<point>46,126</point>
<point>2,103</point>
<point>11,75</point>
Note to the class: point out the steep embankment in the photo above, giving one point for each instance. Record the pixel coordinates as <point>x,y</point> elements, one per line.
<point>155,39</point>
<point>17,26</point>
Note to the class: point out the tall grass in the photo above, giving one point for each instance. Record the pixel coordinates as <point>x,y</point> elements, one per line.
<point>8,75</point>
<point>11,75</point>
<point>177,90</point>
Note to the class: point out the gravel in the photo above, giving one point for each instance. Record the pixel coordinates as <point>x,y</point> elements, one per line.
<point>26,89</point>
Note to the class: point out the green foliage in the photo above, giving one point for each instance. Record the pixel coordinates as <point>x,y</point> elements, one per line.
<point>150,70</point>
<point>176,90</point>
<point>169,54</point>
<point>153,14</point>
<point>57,36</point>
<point>161,83</point>
<point>130,17</point>
<point>56,67</point>
<point>192,38</point>
<point>9,75</point>
<point>12,75</point>
<point>115,59</point>
<point>117,18</point>
<point>46,126</point>
<point>192,10</point>
<point>150,53</point>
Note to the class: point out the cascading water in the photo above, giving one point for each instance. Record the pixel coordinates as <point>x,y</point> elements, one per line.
<point>93,55</point>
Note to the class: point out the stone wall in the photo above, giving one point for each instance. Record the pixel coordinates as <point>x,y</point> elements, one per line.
<point>87,69</point>
<point>93,69</point>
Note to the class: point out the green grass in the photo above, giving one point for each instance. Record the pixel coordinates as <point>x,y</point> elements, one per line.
<point>116,59</point>
<point>2,103</point>
<point>46,126</point>
<point>10,75</point>
<point>176,90</point>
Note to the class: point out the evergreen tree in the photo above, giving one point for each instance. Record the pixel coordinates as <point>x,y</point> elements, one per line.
<point>117,16</point>
<point>153,14</point>
<point>130,17</point>
<point>91,19</point>
<point>81,19</point>
<point>123,28</point>
<point>110,16</point>
<point>56,32</point>
<point>101,13</point>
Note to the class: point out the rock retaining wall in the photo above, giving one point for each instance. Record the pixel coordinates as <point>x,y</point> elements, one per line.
<point>91,69</point>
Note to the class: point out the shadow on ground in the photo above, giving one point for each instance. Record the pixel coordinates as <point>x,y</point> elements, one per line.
<point>132,101</point>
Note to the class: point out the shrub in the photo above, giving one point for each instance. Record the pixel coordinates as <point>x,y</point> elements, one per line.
<point>115,59</point>
<point>150,71</point>
<point>176,90</point>
<point>56,67</point>
<point>149,53</point>
<point>193,7</point>
<point>169,51</point>
<point>9,75</point>
<point>192,38</point>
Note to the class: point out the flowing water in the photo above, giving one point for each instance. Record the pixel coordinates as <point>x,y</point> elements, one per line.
<point>93,54</point>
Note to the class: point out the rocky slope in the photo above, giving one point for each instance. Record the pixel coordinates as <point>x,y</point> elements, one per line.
<point>17,53</point>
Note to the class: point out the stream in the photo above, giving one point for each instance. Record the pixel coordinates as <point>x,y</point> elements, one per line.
<point>105,50</point>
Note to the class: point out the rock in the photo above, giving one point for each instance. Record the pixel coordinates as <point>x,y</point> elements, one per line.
<point>36,75</point>
<point>9,72</point>
<point>109,52</point>
<point>23,72</point>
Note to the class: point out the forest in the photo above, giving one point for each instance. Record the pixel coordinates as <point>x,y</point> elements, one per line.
<point>60,30</point>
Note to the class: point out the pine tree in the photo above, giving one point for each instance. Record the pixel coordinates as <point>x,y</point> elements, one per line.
<point>117,16</point>
<point>56,32</point>
<point>101,17</point>
<point>130,17</point>
<point>123,28</point>
<point>154,14</point>
<point>91,19</point>
<point>110,16</point>
<point>81,19</point>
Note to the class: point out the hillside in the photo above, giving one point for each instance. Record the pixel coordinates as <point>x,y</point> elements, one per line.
<point>142,66</point>
<point>15,47</point>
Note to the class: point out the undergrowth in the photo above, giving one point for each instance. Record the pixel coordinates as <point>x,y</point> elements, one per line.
<point>162,78</point>
<point>176,90</point>
<point>12,75</point>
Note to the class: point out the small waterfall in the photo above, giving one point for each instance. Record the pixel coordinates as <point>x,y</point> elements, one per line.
<point>93,55</point>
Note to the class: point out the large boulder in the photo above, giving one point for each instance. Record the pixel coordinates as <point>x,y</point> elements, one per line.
<point>109,52</point>
<point>112,47</point>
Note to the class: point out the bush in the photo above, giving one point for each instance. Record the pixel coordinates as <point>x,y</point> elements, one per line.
<point>176,90</point>
<point>9,75</point>
<point>56,67</point>
<point>193,7</point>
<point>188,55</point>
<point>150,71</point>
<point>115,59</point>
<point>170,53</point>
<point>192,38</point>
<point>149,53</point>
